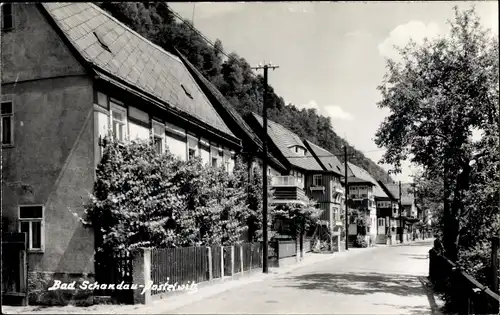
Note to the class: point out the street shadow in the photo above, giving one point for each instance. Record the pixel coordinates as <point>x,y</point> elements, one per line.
<point>358,283</point>
<point>419,244</point>
<point>410,310</point>
<point>415,256</point>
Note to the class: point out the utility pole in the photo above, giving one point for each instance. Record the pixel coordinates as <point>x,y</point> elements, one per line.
<point>346,198</point>
<point>400,216</point>
<point>265,257</point>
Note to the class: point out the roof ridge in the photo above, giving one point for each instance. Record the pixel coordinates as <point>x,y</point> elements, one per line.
<point>109,15</point>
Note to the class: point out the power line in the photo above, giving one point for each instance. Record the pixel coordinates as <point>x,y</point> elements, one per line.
<point>203,36</point>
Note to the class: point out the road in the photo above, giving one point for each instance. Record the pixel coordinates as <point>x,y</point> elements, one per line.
<point>383,280</point>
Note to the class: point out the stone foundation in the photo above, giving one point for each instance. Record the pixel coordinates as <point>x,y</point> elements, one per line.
<point>40,282</point>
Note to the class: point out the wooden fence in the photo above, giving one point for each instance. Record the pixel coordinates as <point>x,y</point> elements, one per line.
<point>181,265</point>
<point>287,249</point>
<point>165,267</point>
<point>465,294</point>
<point>115,268</point>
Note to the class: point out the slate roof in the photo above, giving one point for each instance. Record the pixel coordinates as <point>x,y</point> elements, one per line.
<point>407,197</point>
<point>329,161</point>
<point>284,139</point>
<point>388,192</point>
<point>228,107</point>
<point>359,175</point>
<point>110,46</point>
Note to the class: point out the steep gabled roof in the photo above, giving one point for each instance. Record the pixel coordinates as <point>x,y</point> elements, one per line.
<point>109,46</point>
<point>407,197</point>
<point>326,159</point>
<point>387,192</point>
<point>284,139</point>
<point>228,108</point>
<point>359,175</point>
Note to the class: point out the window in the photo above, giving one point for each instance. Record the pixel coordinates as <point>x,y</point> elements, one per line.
<point>216,157</point>
<point>119,122</point>
<point>102,100</point>
<point>139,126</point>
<point>192,147</point>
<point>317,180</point>
<point>7,112</point>
<point>159,137</point>
<point>7,18</point>
<point>205,151</point>
<point>31,223</point>
<point>176,141</point>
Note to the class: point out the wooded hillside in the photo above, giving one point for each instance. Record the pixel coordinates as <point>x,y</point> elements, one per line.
<point>233,76</point>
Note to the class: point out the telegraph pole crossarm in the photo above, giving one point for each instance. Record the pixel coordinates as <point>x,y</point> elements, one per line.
<point>265,257</point>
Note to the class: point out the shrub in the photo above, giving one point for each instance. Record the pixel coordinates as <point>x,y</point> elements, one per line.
<point>360,241</point>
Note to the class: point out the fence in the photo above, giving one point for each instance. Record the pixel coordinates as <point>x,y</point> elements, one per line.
<point>465,294</point>
<point>115,268</point>
<point>180,265</point>
<point>287,249</point>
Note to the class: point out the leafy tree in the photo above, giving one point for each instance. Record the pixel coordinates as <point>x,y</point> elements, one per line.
<point>438,95</point>
<point>299,216</point>
<point>142,198</point>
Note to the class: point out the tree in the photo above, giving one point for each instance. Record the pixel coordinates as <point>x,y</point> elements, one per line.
<point>438,95</point>
<point>300,217</point>
<point>142,198</point>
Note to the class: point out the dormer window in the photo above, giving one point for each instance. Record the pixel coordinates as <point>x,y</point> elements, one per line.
<point>298,150</point>
<point>101,42</point>
<point>186,91</point>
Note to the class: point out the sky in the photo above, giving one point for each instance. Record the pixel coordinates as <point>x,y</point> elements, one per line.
<point>331,55</point>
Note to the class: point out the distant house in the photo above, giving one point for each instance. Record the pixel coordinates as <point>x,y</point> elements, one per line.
<point>72,74</point>
<point>388,212</point>
<point>409,211</point>
<point>363,189</point>
<point>312,173</point>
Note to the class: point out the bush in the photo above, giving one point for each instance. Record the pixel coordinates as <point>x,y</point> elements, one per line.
<point>360,242</point>
<point>142,198</point>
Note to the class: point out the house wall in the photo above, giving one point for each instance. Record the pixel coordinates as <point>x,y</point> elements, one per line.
<point>51,161</point>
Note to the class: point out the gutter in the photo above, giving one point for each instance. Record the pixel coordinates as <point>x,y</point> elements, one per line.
<point>180,114</point>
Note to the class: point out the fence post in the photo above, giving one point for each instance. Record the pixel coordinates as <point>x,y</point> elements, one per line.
<point>232,261</point>
<point>241,258</point>
<point>494,264</point>
<point>210,275</point>
<point>222,262</point>
<point>141,275</point>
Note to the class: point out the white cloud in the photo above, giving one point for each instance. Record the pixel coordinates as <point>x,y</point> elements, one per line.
<point>336,112</point>
<point>310,105</point>
<point>332,111</point>
<point>401,35</point>
<point>358,34</point>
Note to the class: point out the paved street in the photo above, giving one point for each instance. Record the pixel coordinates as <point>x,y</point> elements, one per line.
<point>384,280</point>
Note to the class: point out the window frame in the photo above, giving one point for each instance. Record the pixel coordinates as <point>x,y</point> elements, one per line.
<point>11,116</point>
<point>188,147</point>
<point>315,176</point>
<point>162,136</point>
<point>2,27</point>
<point>30,221</point>
<point>115,106</point>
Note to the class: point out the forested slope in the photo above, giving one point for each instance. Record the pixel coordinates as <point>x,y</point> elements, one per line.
<point>233,76</point>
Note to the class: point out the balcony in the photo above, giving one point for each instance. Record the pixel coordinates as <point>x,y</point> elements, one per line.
<point>287,189</point>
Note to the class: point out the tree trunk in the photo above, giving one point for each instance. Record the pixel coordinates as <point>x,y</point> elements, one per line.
<point>450,221</point>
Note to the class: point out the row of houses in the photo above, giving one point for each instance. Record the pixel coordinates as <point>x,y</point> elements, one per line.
<point>70,72</point>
